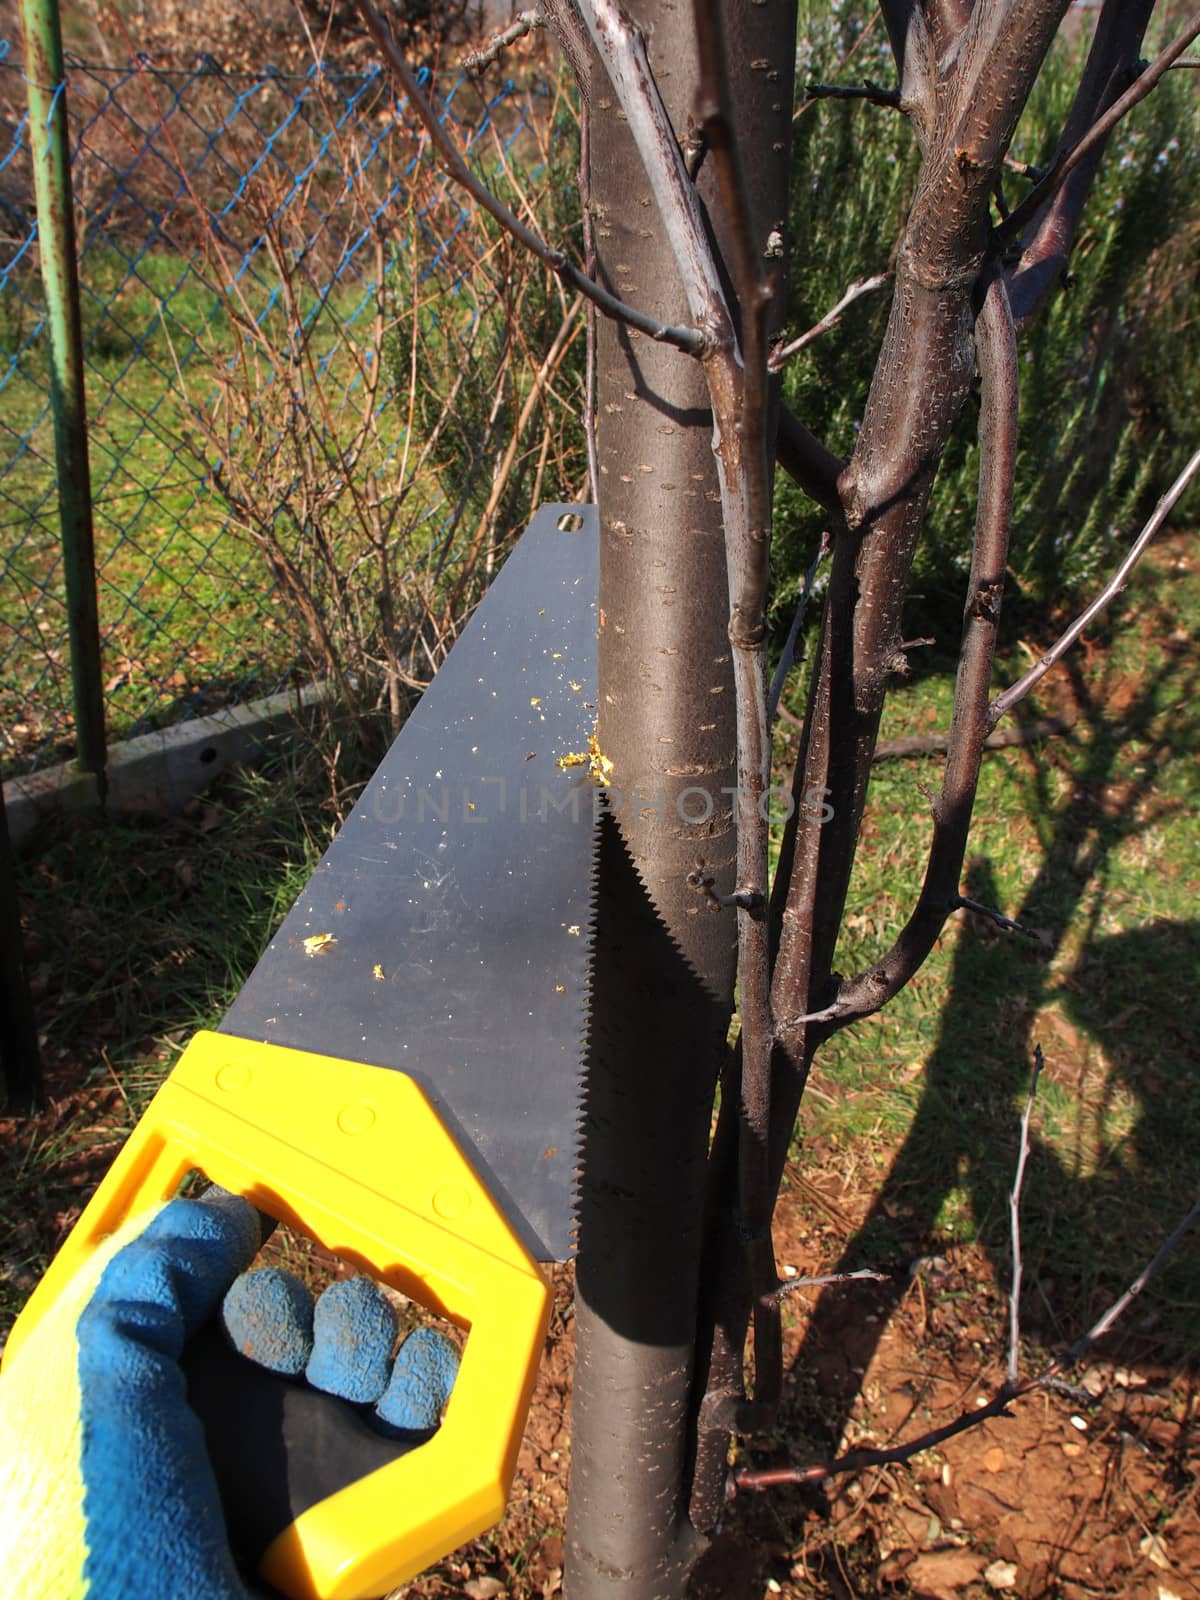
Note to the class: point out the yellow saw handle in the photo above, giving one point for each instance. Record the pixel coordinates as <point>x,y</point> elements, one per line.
<point>356,1158</point>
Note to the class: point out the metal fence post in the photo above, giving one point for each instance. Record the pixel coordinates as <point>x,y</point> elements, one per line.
<point>49,146</point>
<point>20,1065</point>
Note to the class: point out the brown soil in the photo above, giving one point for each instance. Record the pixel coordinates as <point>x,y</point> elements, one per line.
<point>1071,1496</point>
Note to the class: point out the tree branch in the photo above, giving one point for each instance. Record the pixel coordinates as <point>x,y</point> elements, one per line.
<point>1003,703</point>
<point>830,320</point>
<point>996,349</point>
<point>623,52</point>
<point>876,93</point>
<point>524,22</point>
<point>822,1281</point>
<point>909,746</point>
<point>1046,245</point>
<point>962,902</point>
<point>1065,164</point>
<point>916,63</point>
<point>690,340</point>
<point>740,419</point>
<point>787,656</point>
<point>807,461</point>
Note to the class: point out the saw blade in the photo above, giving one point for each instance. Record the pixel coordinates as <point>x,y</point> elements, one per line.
<point>447,930</point>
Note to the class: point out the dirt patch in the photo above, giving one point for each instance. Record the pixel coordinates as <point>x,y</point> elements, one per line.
<point>1071,1496</point>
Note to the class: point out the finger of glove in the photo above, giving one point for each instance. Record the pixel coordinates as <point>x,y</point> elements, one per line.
<point>268,1316</point>
<point>422,1378</point>
<point>354,1334</point>
<point>150,1500</point>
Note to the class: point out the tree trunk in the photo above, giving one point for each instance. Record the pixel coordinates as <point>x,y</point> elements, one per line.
<point>665,956</point>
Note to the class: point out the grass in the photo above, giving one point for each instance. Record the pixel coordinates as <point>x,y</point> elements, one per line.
<point>139,933</point>
<point>1091,842</point>
<point>189,613</point>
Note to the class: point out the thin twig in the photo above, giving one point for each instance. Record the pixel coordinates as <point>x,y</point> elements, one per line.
<point>1100,129</point>
<point>745,1478</point>
<point>1003,703</point>
<point>788,658</point>
<point>1118,1308</point>
<point>524,22</point>
<point>830,320</point>
<point>863,1275</point>
<point>963,902</point>
<point>689,340</point>
<point>1014,1207</point>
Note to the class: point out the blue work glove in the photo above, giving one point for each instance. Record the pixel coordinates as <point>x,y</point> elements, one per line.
<point>106,1490</point>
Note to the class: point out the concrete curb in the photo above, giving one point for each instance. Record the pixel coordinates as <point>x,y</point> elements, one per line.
<point>158,773</point>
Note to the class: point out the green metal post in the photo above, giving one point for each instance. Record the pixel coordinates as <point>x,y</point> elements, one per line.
<point>48,138</point>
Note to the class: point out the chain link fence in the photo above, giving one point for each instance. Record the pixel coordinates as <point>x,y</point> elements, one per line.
<point>302,385</point>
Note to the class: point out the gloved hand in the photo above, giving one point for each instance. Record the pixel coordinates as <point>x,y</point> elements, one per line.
<point>106,1489</point>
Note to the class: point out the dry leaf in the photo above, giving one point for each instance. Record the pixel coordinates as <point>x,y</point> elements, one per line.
<point>484,1588</point>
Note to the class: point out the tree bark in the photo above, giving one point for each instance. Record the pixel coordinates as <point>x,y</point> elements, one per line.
<point>665,956</point>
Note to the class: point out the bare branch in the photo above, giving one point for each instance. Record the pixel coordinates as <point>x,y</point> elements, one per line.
<point>1003,703</point>
<point>996,349</point>
<point>863,1275</point>
<point>962,902</point>
<point>876,93</point>
<point>830,320</point>
<point>1112,64</point>
<point>931,744</point>
<point>1118,1308</point>
<point>744,1478</point>
<point>788,656</point>
<point>741,436</point>
<point>1014,1206</point>
<point>690,340</point>
<point>807,461</point>
<point>916,61</point>
<point>524,22</point>
<point>1062,168</point>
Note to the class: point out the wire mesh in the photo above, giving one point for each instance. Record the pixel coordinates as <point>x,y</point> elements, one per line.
<point>222,218</point>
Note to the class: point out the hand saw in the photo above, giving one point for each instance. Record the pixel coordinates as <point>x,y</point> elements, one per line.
<point>445,935</point>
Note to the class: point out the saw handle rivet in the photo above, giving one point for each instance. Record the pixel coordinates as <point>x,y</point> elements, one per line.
<point>451,1202</point>
<point>234,1075</point>
<point>357,1117</point>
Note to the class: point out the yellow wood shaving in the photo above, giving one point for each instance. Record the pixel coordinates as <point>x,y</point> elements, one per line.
<point>598,765</point>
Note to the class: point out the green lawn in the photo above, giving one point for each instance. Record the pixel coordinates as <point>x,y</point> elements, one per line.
<point>190,613</point>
